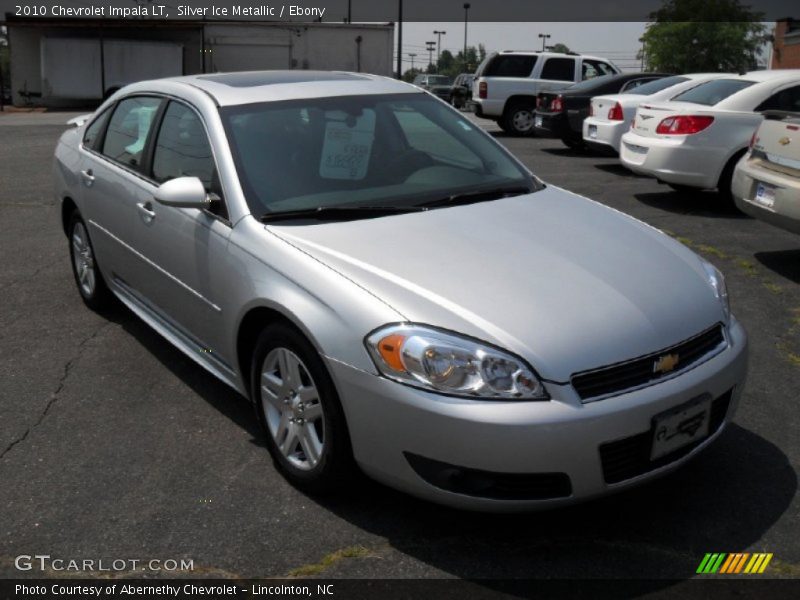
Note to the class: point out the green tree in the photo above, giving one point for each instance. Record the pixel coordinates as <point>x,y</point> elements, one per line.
<point>447,63</point>
<point>559,48</point>
<point>690,37</point>
<point>475,56</point>
<point>409,75</point>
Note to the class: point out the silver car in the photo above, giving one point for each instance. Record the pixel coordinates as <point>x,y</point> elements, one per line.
<point>395,292</point>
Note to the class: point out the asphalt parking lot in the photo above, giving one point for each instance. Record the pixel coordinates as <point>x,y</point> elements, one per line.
<point>113,444</point>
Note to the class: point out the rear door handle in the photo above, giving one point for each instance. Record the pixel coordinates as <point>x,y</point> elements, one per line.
<point>146,210</point>
<point>88,177</point>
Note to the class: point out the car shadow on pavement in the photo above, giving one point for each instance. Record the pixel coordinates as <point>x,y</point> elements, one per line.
<point>701,203</point>
<point>723,500</point>
<point>618,169</point>
<point>580,152</point>
<point>220,396</point>
<point>785,263</point>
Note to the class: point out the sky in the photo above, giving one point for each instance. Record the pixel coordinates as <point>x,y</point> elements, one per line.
<point>616,41</point>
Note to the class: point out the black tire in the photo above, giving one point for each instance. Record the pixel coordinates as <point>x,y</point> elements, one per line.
<point>517,114</point>
<point>726,180</point>
<point>335,464</point>
<point>573,144</point>
<point>96,296</point>
<point>683,189</point>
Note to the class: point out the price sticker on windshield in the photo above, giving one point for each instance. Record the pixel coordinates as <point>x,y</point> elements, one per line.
<point>347,147</point>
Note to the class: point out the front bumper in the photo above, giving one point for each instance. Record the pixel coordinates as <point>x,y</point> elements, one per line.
<point>785,212</point>
<point>608,133</point>
<point>389,421</point>
<point>672,160</point>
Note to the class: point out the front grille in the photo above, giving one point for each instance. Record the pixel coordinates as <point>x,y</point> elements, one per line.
<point>640,371</point>
<point>488,484</point>
<point>630,457</point>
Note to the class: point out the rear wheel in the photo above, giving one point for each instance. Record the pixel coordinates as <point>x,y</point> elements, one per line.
<point>726,180</point>
<point>518,118</point>
<point>298,406</point>
<point>573,144</point>
<point>92,288</point>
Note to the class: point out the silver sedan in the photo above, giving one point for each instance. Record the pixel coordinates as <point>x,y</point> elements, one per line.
<point>395,292</point>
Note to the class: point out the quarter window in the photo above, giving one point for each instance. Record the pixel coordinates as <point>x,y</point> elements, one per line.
<point>128,129</point>
<point>92,134</point>
<point>559,69</point>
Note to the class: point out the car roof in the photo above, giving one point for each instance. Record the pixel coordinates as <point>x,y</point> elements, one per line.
<point>772,75</point>
<point>247,87</point>
<point>548,54</point>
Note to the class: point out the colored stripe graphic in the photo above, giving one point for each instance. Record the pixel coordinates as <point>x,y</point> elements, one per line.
<point>734,563</point>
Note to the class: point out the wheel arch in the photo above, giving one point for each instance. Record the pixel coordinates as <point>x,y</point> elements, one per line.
<point>68,206</point>
<point>732,159</point>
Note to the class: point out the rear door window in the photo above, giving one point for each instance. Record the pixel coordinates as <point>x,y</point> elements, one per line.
<point>510,65</point>
<point>713,92</point>
<point>559,69</point>
<point>128,130</point>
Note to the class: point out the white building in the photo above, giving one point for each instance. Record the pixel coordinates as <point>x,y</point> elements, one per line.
<point>69,62</point>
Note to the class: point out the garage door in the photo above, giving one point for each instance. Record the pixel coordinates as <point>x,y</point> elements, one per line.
<point>250,57</point>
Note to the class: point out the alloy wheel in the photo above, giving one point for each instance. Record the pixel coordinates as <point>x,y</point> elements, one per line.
<point>292,408</point>
<point>83,259</point>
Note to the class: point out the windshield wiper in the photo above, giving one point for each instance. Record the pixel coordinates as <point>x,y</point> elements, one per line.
<point>332,213</point>
<point>478,196</point>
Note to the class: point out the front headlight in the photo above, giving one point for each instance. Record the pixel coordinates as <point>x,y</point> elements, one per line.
<point>717,281</point>
<point>451,364</point>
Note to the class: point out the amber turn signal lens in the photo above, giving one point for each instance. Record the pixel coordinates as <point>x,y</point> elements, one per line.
<point>389,349</point>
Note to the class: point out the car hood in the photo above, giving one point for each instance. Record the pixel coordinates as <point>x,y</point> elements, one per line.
<point>564,282</point>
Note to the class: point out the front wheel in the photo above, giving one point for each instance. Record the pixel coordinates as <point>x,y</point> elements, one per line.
<point>298,406</point>
<point>92,288</point>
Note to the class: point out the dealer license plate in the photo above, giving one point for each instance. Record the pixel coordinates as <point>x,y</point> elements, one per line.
<point>537,121</point>
<point>593,131</point>
<point>680,426</point>
<point>765,195</point>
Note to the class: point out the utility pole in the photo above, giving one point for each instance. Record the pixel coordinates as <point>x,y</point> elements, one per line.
<point>413,56</point>
<point>545,37</point>
<point>399,39</point>
<point>439,47</point>
<point>431,46</point>
<point>467,6</point>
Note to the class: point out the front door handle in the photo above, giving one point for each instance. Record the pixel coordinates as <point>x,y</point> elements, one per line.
<point>147,212</point>
<point>88,177</point>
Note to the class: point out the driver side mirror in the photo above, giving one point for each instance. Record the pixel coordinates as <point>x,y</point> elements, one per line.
<point>184,192</point>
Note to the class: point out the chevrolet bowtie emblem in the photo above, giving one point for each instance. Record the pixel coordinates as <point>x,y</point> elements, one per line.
<point>784,140</point>
<point>666,363</point>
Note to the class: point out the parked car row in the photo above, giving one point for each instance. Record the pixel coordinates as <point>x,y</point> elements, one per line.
<point>695,131</point>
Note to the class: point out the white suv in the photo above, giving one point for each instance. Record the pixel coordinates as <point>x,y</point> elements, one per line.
<point>507,82</point>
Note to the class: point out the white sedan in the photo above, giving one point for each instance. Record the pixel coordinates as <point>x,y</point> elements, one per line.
<point>610,116</point>
<point>696,139</point>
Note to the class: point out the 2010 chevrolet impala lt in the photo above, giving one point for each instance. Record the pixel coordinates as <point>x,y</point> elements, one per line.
<point>395,292</point>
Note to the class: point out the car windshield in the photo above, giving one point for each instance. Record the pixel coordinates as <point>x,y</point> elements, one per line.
<point>398,150</point>
<point>656,86</point>
<point>713,92</point>
<point>439,80</point>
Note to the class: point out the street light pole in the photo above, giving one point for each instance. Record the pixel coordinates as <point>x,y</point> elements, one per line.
<point>466,20</point>
<point>439,47</point>
<point>545,37</point>
<point>431,46</point>
<point>399,39</point>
